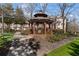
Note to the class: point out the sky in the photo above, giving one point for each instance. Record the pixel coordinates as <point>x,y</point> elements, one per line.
<point>52,9</point>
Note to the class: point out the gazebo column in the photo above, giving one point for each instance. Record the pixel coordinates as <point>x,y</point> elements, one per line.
<point>37,29</point>
<point>51,28</point>
<point>33,28</point>
<point>44,27</point>
<point>30,25</point>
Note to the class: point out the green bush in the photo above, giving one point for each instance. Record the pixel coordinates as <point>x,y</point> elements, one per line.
<point>57,37</point>
<point>11,30</point>
<point>5,39</point>
<point>58,31</point>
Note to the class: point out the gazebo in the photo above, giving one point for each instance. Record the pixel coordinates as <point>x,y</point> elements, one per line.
<point>41,23</point>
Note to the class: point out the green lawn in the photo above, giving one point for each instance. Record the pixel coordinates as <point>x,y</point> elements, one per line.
<point>69,49</point>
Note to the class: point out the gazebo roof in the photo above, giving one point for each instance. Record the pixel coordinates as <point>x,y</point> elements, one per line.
<point>41,19</point>
<point>40,14</point>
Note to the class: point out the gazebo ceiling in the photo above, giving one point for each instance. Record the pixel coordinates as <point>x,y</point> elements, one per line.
<point>40,18</point>
<point>46,19</point>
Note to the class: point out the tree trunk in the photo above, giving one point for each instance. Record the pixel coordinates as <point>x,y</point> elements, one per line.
<point>8,27</point>
<point>65,23</point>
<point>2,24</point>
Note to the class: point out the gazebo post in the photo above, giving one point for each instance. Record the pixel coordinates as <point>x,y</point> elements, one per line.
<point>29,25</point>
<point>51,28</point>
<point>33,28</point>
<point>44,27</point>
<point>49,25</point>
<point>37,29</point>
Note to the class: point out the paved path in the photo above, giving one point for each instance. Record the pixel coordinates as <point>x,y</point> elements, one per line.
<point>47,46</point>
<point>18,35</point>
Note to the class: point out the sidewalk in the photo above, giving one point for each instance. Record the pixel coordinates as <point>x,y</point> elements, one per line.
<point>47,46</point>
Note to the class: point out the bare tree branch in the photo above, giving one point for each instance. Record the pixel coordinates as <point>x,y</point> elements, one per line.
<point>65,9</point>
<point>44,7</point>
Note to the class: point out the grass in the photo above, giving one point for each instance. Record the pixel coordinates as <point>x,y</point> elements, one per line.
<point>67,49</point>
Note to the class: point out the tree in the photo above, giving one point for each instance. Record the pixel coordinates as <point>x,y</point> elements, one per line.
<point>44,7</point>
<point>19,16</point>
<point>30,8</point>
<point>73,26</point>
<point>8,14</point>
<point>65,10</point>
<point>2,19</point>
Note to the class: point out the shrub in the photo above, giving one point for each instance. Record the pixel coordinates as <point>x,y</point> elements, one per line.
<point>11,30</point>
<point>58,31</point>
<point>5,39</point>
<point>57,37</point>
<point>5,43</point>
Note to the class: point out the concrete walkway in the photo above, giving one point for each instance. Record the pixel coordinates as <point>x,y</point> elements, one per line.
<point>47,46</point>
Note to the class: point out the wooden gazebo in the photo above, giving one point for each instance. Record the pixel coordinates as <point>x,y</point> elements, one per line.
<point>43,20</point>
